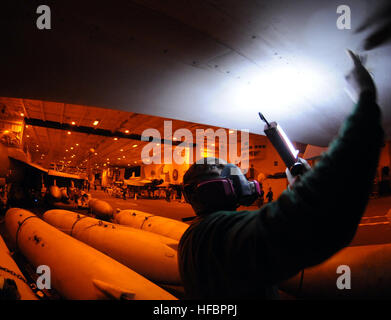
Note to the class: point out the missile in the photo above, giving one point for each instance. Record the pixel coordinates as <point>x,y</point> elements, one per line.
<point>101,209</point>
<point>148,222</point>
<point>77,271</point>
<point>354,272</point>
<point>9,269</point>
<point>151,255</point>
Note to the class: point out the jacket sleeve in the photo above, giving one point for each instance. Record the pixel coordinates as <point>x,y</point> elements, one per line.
<point>319,215</point>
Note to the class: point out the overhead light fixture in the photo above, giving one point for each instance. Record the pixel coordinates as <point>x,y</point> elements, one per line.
<point>96,153</point>
<point>126,131</point>
<point>22,114</point>
<point>27,126</point>
<point>122,150</point>
<point>96,122</point>
<point>115,138</point>
<point>69,132</point>
<point>135,145</point>
<point>73,123</point>
<point>77,144</point>
<point>28,136</point>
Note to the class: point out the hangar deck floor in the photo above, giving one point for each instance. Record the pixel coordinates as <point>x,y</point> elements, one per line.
<point>374,228</point>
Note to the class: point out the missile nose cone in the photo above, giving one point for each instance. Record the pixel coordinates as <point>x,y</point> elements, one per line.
<point>55,192</point>
<point>101,209</point>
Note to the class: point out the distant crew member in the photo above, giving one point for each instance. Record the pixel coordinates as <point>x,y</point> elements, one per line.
<point>269,195</point>
<point>226,254</point>
<point>261,199</point>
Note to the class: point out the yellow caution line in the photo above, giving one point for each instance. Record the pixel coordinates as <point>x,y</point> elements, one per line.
<point>373,223</point>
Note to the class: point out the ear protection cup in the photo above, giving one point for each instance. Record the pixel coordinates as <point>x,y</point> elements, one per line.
<point>229,191</point>
<point>246,191</point>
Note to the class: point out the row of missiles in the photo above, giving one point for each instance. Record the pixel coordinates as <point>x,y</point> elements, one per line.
<point>135,254</point>
<point>94,259</point>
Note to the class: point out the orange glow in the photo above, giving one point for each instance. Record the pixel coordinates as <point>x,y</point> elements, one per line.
<point>73,123</point>
<point>69,132</point>
<point>96,122</point>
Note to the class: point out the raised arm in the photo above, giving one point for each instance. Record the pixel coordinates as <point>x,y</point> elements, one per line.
<point>320,213</point>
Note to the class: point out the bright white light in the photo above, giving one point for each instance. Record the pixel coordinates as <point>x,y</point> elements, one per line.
<point>288,142</point>
<point>286,88</point>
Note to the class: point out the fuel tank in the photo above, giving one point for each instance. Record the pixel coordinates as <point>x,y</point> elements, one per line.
<point>149,254</point>
<point>148,222</point>
<point>9,269</point>
<point>363,271</point>
<point>101,209</point>
<point>77,270</point>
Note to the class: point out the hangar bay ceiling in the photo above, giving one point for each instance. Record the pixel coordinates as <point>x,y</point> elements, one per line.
<point>211,62</point>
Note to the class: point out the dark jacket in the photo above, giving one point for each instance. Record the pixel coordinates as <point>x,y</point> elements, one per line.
<point>246,254</point>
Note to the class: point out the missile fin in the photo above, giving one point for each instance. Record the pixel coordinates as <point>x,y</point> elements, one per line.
<point>112,291</point>
<point>173,245</point>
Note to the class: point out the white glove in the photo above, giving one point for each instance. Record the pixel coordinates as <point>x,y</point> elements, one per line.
<point>292,179</point>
